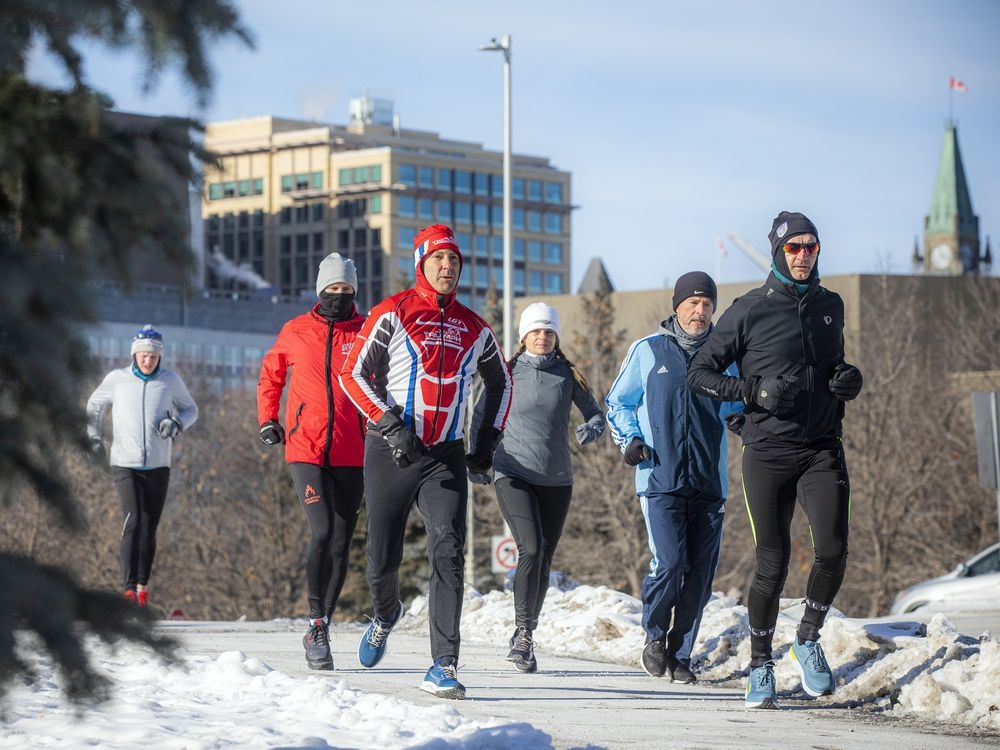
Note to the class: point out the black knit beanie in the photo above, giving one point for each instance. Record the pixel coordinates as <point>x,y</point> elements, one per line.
<point>694,284</point>
<point>789,224</point>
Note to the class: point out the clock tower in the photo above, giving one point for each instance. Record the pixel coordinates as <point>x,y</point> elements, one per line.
<point>951,230</point>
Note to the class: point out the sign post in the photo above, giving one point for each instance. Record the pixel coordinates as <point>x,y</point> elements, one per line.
<point>986,416</point>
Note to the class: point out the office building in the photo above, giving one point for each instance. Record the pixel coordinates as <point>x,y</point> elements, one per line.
<point>288,192</point>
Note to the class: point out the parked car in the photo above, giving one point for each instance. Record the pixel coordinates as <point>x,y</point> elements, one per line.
<point>974,584</point>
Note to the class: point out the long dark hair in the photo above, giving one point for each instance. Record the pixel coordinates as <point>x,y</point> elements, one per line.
<point>578,376</point>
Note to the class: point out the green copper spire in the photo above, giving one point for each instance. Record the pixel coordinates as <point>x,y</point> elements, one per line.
<point>951,193</point>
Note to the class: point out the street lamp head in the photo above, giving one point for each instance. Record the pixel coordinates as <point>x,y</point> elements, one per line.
<point>503,45</point>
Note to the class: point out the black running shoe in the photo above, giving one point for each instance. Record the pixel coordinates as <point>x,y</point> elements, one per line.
<point>317,645</point>
<point>654,658</point>
<point>683,674</point>
<point>522,651</point>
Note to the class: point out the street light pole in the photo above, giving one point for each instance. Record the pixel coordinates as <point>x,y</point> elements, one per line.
<point>508,260</point>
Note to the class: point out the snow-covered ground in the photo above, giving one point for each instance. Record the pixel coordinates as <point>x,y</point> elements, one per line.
<point>236,700</point>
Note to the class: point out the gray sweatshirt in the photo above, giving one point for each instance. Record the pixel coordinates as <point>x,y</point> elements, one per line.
<point>535,442</point>
<point>138,408</point>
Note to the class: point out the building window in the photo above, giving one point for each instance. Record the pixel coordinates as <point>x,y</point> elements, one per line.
<point>408,175</point>
<point>482,183</point>
<point>518,249</point>
<point>215,191</point>
<point>463,181</point>
<point>375,204</point>
<point>482,246</point>
<point>519,280</point>
<point>376,238</point>
<point>302,181</point>
<point>286,183</point>
<point>497,244</point>
<point>535,251</point>
<point>301,214</point>
<point>361,264</point>
<point>463,239</point>
<point>444,179</point>
<point>517,219</point>
<point>407,206</point>
<point>534,282</point>
<point>405,237</point>
<point>242,219</point>
<point>258,186</point>
<point>244,187</point>
<point>553,223</point>
<point>360,237</point>
<point>213,222</point>
<point>228,189</point>
<point>318,211</point>
<point>426,178</point>
<point>375,173</point>
<point>301,244</point>
<point>481,212</point>
<point>405,269</point>
<point>497,216</point>
<point>285,245</point>
<point>425,209</point>
<point>517,189</point>
<point>443,211</point>
<point>317,180</point>
<point>553,192</point>
<point>553,253</point>
<point>463,212</point>
<point>360,175</point>
<point>535,191</point>
<point>258,217</point>
<point>497,186</point>
<point>343,240</point>
<point>285,215</point>
<point>319,240</point>
<point>534,221</point>
<point>345,176</point>
<point>553,283</point>
<point>482,275</point>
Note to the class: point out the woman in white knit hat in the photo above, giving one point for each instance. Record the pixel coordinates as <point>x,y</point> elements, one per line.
<point>532,466</point>
<point>151,406</point>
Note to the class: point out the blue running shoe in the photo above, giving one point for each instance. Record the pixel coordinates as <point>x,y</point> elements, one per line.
<point>442,680</point>
<point>376,639</point>
<point>760,687</point>
<point>809,659</point>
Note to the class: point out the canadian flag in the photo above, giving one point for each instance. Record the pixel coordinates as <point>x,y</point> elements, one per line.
<point>957,85</point>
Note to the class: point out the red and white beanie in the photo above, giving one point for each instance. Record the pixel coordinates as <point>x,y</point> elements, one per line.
<point>433,238</point>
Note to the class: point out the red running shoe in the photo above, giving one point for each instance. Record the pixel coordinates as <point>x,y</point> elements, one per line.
<point>143,597</point>
<point>130,595</point>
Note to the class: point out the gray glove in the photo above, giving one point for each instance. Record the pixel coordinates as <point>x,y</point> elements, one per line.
<point>772,393</point>
<point>169,428</point>
<point>476,478</point>
<point>406,447</point>
<point>587,433</point>
<point>96,447</point>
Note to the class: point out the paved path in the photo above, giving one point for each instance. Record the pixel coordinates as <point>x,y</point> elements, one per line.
<point>582,704</point>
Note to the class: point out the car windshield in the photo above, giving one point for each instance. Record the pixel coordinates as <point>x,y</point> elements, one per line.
<point>988,563</point>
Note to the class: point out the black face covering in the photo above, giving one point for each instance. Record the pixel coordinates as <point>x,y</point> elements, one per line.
<point>336,306</point>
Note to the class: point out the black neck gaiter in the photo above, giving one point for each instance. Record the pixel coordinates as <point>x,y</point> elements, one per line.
<point>336,306</point>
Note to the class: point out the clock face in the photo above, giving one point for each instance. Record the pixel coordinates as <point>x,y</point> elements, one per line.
<point>941,257</point>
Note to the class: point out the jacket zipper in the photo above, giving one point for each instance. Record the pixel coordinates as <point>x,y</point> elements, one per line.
<point>329,394</point>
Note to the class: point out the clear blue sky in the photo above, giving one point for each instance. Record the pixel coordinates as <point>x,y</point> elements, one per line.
<point>680,122</point>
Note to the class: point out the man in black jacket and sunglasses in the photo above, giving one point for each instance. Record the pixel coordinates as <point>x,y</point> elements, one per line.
<point>787,339</point>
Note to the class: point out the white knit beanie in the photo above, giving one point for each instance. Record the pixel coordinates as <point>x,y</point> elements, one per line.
<point>334,268</point>
<point>538,316</point>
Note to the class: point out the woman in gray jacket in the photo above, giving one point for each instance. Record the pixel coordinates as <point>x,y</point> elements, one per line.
<point>532,466</point>
<point>151,406</point>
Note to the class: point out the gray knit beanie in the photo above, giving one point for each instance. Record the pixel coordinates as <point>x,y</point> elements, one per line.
<point>336,268</point>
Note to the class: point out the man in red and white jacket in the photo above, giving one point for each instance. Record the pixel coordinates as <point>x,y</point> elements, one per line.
<point>411,372</point>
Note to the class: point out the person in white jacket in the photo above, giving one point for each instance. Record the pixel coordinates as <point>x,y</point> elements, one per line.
<point>151,407</point>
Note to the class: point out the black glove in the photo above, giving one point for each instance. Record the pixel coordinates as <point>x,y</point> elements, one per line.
<point>406,447</point>
<point>272,433</point>
<point>734,422</point>
<point>636,452</point>
<point>168,428</point>
<point>587,433</point>
<point>481,459</point>
<point>772,393</point>
<point>846,382</point>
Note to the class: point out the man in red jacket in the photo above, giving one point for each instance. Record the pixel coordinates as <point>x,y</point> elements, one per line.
<point>411,373</point>
<point>324,441</point>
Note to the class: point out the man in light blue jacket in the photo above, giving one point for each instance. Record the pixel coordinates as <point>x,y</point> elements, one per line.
<point>151,407</point>
<point>677,442</point>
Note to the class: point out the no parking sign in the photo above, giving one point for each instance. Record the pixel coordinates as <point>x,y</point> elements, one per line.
<point>504,555</point>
